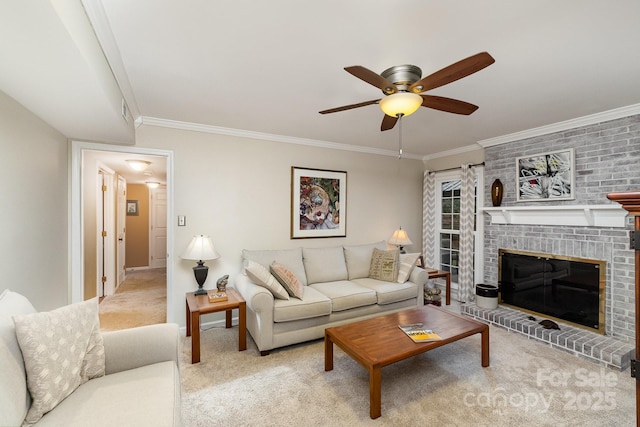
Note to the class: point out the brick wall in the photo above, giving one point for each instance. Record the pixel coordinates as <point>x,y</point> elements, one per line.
<point>607,159</point>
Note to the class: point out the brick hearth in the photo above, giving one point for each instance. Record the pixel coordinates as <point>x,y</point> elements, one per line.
<point>605,350</point>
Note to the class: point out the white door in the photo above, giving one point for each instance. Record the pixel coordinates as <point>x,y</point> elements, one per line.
<point>120,230</point>
<point>106,233</point>
<point>158,232</point>
<point>101,238</point>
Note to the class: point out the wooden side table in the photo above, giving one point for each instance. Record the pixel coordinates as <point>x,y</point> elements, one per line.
<point>434,274</point>
<point>198,305</point>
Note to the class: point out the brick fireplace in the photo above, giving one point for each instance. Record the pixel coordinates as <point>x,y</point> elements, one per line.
<point>606,159</point>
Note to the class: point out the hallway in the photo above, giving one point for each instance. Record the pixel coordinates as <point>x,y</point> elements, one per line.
<point>140,300</point>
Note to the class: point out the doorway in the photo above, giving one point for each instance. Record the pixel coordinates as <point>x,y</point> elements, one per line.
<point>83,223</point>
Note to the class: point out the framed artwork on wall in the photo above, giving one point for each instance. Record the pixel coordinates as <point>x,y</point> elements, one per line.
<point>546,176</point>
<point>132,208</point>
<point>318,203</point>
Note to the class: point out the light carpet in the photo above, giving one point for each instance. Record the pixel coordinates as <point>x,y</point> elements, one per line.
<point>140,300</point>
<point>527,384</point>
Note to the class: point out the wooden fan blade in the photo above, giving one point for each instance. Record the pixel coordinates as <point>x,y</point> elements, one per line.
<point>453,72</point>
<point>388,122</point>
<point>448,104</point>
<point>349,107</point>
<point>372,78</point>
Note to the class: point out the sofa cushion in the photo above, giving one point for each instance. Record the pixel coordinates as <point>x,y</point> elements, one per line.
<point>287,279</point>
<point>407,262</point>
<point>145,396</point>
<point>291,258</point>
<point>62,349</point>
<point>384,265</point>
<point>261,276</point>
<point>345,294</point>
<point>358,258</point>
<point>324,264</point>
<point>14,396</point>
<point>312,304</point>
<point>389,292</point>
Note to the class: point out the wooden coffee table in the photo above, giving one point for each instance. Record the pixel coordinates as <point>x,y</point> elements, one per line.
<point>378,342</point>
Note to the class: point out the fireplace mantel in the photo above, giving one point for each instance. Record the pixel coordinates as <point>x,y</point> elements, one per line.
<point>576,215</point>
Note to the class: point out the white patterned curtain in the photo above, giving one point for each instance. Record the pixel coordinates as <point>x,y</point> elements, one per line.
<point>429,238</point>
<point>467,200</point>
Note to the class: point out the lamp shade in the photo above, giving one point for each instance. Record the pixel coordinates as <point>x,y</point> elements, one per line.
<point>400,238</point>
<point>400,103</point>
<point>200,248</point>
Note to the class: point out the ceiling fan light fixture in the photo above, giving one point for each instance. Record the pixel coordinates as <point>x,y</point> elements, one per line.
<point>400,104</point>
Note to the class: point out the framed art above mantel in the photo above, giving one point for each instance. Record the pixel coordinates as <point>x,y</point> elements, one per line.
<point>318,203</point>
<point>546,176</point>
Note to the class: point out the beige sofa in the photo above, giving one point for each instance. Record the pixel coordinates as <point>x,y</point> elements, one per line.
<point>141,385</point>
<point>337,289</point>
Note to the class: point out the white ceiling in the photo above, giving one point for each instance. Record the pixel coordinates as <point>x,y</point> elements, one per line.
<point>117,162</point>
<point>269,67</point>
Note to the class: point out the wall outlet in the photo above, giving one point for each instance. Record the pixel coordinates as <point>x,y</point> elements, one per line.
<point>182,220</point>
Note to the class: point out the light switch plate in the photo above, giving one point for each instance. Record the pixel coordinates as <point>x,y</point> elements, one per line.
<point>182,220</point>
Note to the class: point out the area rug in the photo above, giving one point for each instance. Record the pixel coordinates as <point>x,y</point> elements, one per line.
<point>140,300</point>
<point>527,384</point>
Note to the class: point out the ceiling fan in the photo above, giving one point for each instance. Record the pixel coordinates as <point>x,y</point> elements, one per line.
<point>403,84</point>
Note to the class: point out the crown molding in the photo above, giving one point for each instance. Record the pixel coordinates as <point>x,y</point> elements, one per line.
<point>604,116</point>
<point>453,152</point>
<point>196,127</point>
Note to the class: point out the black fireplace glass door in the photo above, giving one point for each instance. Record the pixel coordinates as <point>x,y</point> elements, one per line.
<point>558,288</point>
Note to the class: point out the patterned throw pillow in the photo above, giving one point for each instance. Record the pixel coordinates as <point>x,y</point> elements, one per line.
<point>407,264</point>
<point>62,349</point>
<point>261,276</point>
<point>384,265</point>
<point>287,279</point>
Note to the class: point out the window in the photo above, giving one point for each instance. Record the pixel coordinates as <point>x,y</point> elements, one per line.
<point>448,185</point>
<point>449,230</point>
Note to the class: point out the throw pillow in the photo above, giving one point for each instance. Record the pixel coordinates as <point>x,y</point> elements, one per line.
<point>384,265</point>
<point>292,258</point>
<point>62,349</point>
<point>261,276</point>
<point>407,264</point>
<point>287,279</point>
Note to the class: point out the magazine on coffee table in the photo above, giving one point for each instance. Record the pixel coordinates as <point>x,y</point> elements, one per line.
<point>418,333</point>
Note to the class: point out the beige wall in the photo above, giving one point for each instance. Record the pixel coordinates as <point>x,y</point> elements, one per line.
<point>472,157</point>
<point>237,190</point>
<point>33,207</point>
<point>137,228</point>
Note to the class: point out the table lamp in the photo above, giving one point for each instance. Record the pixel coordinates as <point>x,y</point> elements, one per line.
<point>200,249</point>
<point>400,238</point>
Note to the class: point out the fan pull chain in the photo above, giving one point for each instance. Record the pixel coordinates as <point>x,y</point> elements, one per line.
<point>400,135</point>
